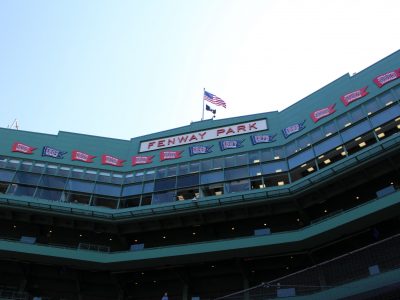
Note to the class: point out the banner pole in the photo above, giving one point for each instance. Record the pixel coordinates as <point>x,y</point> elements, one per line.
<point>202,116</point>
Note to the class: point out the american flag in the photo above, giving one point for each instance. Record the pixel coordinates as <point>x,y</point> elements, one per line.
<point>214,99</point>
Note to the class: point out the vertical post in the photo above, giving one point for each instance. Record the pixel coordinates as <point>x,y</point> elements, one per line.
<point>202,116</point>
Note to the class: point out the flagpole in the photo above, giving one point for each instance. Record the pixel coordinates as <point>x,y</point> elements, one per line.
<point>202,116</point>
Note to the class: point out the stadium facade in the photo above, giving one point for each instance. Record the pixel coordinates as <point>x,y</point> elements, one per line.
<point>304,203</point>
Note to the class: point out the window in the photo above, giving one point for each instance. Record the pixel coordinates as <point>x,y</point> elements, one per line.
<point>164,197</point>
<point>53,182</point>
<point>212,177</point>
<point>357,114</point>
<point>6,175</point>
<point>188,180</point>
<point>355,131</point>
<point>107,189</point>
<point>238,186</point>
<point>164,184</point>
<point>385,116</point>
<point>26,178</point>
<point>135,189</point>
<point>300,158</point>
<point>274,167</point>
<point>328,144</point>
<point>79,186</point>
<point>49,194</point>
<point>236,173</point>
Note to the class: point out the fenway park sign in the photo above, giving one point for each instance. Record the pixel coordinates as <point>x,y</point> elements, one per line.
<point>205,135</point>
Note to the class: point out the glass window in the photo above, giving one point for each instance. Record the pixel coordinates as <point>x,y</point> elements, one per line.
<point>194,167</point>
<point>64,171</point>
<point>163,197</point>
<point>236,173</point>
<point>25,166</point>
<point>150,175</point>
<point>274,167</point>
<point>21,190</point>
<point>107,189</point>
<point>139,176</point>
<point>117,178</point>
<point>206,165</point>
<point>161,173</point>
<point>129,178</point>
<point>230,161</point>
<point>184,169</point>
<point>255,170</point>
<point>218,163</point>
<point>171,171</point>
<point>385,116</point>
<point>51,169</point>
<point>357,114</point>
<point>13,164</point>
<point>304,141</point>
<point>38,168</point>
<point>134,189</point>
<point>104,177</point>
<point>89,175</point>
<point>279,152</point>
<point>76,173</point>
<point>148,187</point>
<point>53,182</point>
<point>291,148</point>
<point>211,177</point>
<point>27,178</point>
<point>48,194</point>
<point>6,175</point>
<point>164,184</point>
<point>329,128</point>
<point>254,157</point>
<point>300,158</point>
<point>317,135</point>
<point>188,180</point>
<point>355,131</point>
<point>242,159</point>
<point>343,121</point>
<point>238,186</point>
<point>327,145</point>
<point>387,98</point>
<point>79,186</point>
<point>267,155</point>
<point>373,106</point>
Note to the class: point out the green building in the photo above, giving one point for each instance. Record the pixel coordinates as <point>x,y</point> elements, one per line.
<point>302,203</point>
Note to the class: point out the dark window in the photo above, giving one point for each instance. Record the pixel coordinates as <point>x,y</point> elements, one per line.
<point>212,177</point>
<point>107,189</point>
<point>236,173</point>
<point>53,182</point>
<point>79,186</point>
<point>21,190</point>
<point>188,180</point>
<point>135,189</point>
<point>164,184</point>
<point>27,178</point>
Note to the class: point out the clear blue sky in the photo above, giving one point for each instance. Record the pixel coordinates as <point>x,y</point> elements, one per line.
<point>127,68</point>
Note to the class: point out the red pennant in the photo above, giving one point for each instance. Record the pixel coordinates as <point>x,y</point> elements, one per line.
<point>111,160</point>
<point>353,96</point>
<point>166,155</point>
<point>382,79</point>
<point>142,160</point>
<point>82,156</point>
<point>322,113</point>
<point>19,147</point>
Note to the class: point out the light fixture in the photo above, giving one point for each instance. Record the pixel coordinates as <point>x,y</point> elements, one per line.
<point>363,144</point>
<point>357,197</point>
<point>327,161</point>
<point>369,113</point>
<point>136,241</point>
<point>164,237</point>
<point>281,182</point>
<point>233,228</point>
<point>358,138</point>
<point>265,224</point>
<point>194,233</point>
<point>303,165</point>
<point>262,186</point>
<point>50,231</point>
<point>343,153</point>
<point>328,134</point>
<point>180,198</point>
<point>80,235</point>
<point>389,103</point>
<point>378,128</point>
<point>276,157</point>
<point>398,126</point>
<point>381,135</point>
<point>218,193</point>
<point>347,124</point>
<point>320,157</point>
<point>278,170</point>
<point>256,161</point>
<point>310,169</point>
<point>258,173</point>
<point>338,148</point>
<point>397,119</point>
<point>325,211</point>
<point>110,239</point>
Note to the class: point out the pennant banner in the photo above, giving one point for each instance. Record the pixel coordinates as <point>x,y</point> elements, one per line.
<point>293,129</point>
<point>322,113</point>
<point>196,150</point>
<point>19,147</point>
<point>353,96</point>
<point>52,152</point>
<point>264,138</point>
<point>111,160</point>
<point>232,144</point>
<point>82,156</point>
<point>381,80</point>
<point>166,155</point>
<point>142,160</point>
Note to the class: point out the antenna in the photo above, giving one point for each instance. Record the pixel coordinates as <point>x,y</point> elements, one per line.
<point>13,124</point>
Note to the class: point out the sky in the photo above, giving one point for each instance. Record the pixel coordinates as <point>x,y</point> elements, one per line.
<point>124,69</point>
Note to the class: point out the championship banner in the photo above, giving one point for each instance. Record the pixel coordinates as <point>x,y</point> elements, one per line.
<point>381,80</point>
<point>232,144</point>
<point>166,155</point>
<point>322,113</point>
<point>19,147</point>
<point>196,150</point>
<point>52,152</point>
<point>293,129</point>
<point>111,160</point>
<point>264,138</point>
<point>82,156</point>
<point>142,160</point>
<point>353,96</point>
